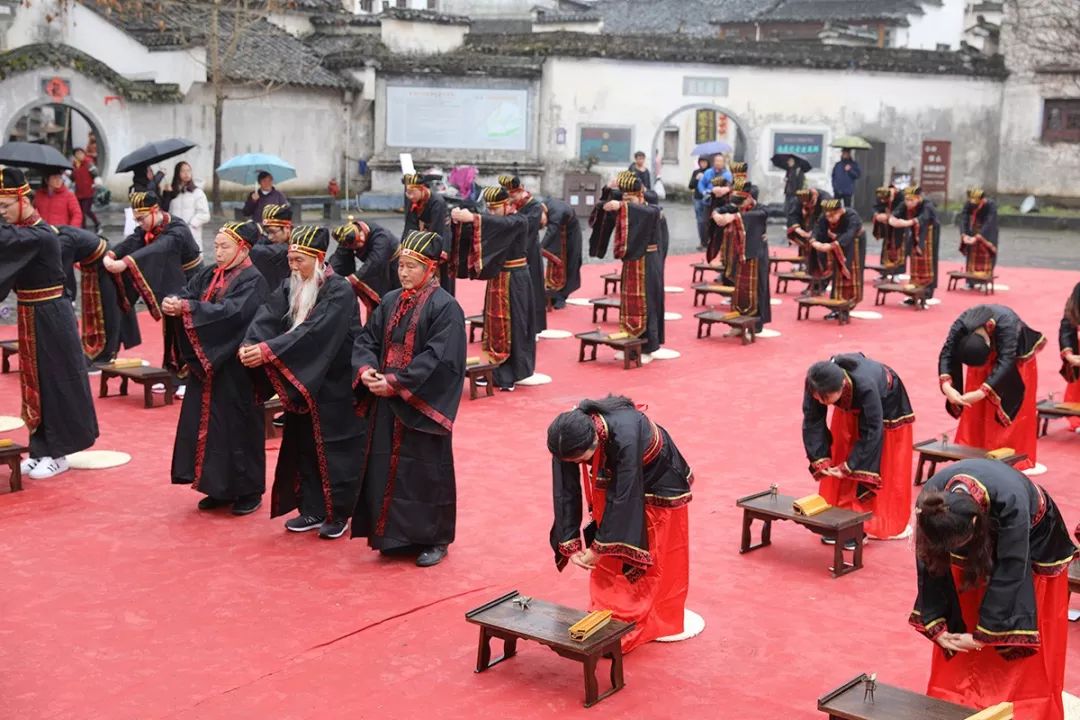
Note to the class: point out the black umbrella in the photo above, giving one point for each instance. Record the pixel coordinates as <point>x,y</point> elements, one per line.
<point>780,161</point>
<point>154,152</point>
<point>35,156</point>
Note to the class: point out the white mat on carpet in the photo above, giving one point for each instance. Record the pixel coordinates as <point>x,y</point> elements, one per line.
<point>693,625</point>
<point>10,422</point>
<point>535,379</point>
<point>550,334</point>
<point>97,459</point>
<point>866,314</point>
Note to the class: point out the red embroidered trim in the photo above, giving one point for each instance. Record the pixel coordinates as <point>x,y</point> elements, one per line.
<point>29,378</point>
<point>388,491</point>
<point>364,293</point>
<point>570,547</point>
<point>677,501</point>
<point>627,553</point>
<point>496,338</point>
<point>144,290</point>
<point>633,302</point>
<point>974,488</point>
<point>93,312</point>
<point>1010,639</point>
<point>994,399</point>
<point>208,381</point>
<point>622,230</point>
<point>418,403</point>
<point>931,632</point>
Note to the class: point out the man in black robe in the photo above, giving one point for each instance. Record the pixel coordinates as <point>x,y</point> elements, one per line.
<point>56,403</point>
<point>409,363</point>
<point>220,446</point>
<point>744,225</point>
<point>425,210</point>
<point>525,204</point>
<point>979,234</point>
<point>270,255</point>
<point>802,221</point>
<point>562,248</point>
<point>919,217</point>
<point>893,251</point>
<point>492,246</point>
<point>302,339</point>
<point>839,236</point>
<point>374,249</point>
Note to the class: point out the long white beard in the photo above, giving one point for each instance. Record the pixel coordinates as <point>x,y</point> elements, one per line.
<point>303,294</point>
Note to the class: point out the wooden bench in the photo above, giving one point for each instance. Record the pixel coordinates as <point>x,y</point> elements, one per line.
<point>941,451</point>
<point>484,371</point>
<point>12,457</point>
<point>611,282</point>
<point>1048,410</point>
<point>842,308</point>
<point>703,290</point>
<point>840,525</point>
<point>141,374</point>
<point>630,347</point>
<point>271,408</point>
<point>476,322</point>
<point>775,260</point>
<point>549,624</point>
<point>746,323</point>
<point>782,280</point>
<point>980,279</point>
<point>8,348</point>
<point>600,307</point>
<point>916,293</point>
<point>700,268</point>
<point>851,701</point>
<point>888,274</point>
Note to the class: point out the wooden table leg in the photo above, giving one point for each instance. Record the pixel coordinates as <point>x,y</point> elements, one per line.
<point>123,386</point>
<point>169,392</point>
<point>592,690</point>
<point>617,682</point>
<point>594,347</point>
<point>747,521</point>
<point>838,554</point>
<point>103,389</point>
<point>581,352</point>
<point>490,377</point>
<point>5,364</point>
<point>15,464</point>
<point>919,470</point>
<point>856,557</point>
<point>1044,425</point>
<point>148,394</point>
<point>483,652</point>
<point>472,387</point>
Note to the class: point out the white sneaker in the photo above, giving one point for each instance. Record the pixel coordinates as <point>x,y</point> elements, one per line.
<point>180,392</point>
<point>157,389</point>
<point>49,467</point>
<point>28,464</point>
<point>646,358</point>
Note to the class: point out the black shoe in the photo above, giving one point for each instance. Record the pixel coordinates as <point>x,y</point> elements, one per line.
<point>480,382</point>
<point>279,420</point>
<point>832,315</point>
<point>558,305</point>
<point>828,541</point>
<point>431,556</point>
<point>333,529</point>
<point>400,550</point>
<point>212,503</point>
<point>909,301</point>
<point>851,544</point>
<point>509,388</point>
<point>247,504</point>
<point>303,523</point>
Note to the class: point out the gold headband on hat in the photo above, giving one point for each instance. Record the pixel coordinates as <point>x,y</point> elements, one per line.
<point>495,196</point>
<point>913,191</point>
<point>307,240</point>
<point>628,182</point>
<point>739,168</point>
<point>741,186</point>
<point>510,182</point>
<point>976,193</point>
<point>412,180</point>
<point>882,192</point>
<point>17,189</point>
<point>832,204</point>
<point>420,242</point>
<point>803,193</point>
<point>719,181</point>
<point>277,216</point>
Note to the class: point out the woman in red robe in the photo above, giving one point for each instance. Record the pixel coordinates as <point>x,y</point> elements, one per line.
<point>637,486</point>
<point>993,554</point>
<point>1070,351</point>
<point>862,460</point>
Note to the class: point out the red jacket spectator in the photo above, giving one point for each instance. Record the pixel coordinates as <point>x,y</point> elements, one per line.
<point>83,176</point>
<point>58,206</point>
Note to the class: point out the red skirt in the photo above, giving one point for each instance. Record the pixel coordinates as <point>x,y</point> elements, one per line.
<point>656,601</point>
<point>1072,394</point>
<point>981,678</point>
<point>979,426</point>
<point>891,504</point>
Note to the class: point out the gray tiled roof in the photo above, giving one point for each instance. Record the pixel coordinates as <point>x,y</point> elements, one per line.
<point>745,11</point>
<point>428,15</point>
<point>688,17</point>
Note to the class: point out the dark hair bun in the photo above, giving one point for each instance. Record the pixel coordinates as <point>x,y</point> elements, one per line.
<point>932,503</point>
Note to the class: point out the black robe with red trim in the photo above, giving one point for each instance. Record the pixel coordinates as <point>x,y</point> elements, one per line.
<point>57,406</point>
<point>562,248</point>
<point>848,254</point>
<point>105,325</point>
<point>377,272</point>
<point>980,220</point>
<point>534,210</point>
<point>923,243</point>
<point>272,261</point>
<point>1069,340</point>
<point>310,370</point>
<point>1010,338</point>
<point>494,248</point>
<point>893,250</point>
<point>408,491</point>
<point>749,257</point>
<point>876,393</point>
<point>807,216</point>
<point>177,233</point>
<point>1030,537</point>
<point>435,217</point>
<point>639,465</point>
<point>220,446</point>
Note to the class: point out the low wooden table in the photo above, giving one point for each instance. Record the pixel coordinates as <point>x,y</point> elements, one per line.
<point>7,349</point>
<point>271,408</point>
<point>700,268</point>
<point>775,260</point>
<point>849,702</point>
<point>842,308</point>
<point>836,523</point>
<point>611,282</point>
<point>12,457</point>
<point>986,281</point>
<point>600,306</point>
<point>936,451</point>
<point>630,347</point>
<point>143,375</point>
<point>476,322</point>
<point>888,274</point>
<point>485,371</point>
<point>747,323</point>
<point>549,624</point>
<point>1047,411</point>
<point>703,290</point>
<point>918,294</point>
<point>782,279</point>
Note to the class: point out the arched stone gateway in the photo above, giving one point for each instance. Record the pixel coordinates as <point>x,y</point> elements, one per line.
<point>742,145</point>
<point>65,125</point>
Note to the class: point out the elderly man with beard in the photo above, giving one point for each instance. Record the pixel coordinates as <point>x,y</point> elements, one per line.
<point>220,444</point>
<point>302,341</point>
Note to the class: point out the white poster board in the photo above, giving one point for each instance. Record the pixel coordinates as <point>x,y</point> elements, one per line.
<point>457,118</point>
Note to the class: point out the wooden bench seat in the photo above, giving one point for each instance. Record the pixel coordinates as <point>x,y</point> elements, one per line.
<point>484,371</point>
<point>8,348</point>
<point>700,268</point>
<point>843,308</point>
<point>144,375</point>
<point>747,323</point>
<point>980,279</point>
<point>11,456</point>
<point>941,451</point>
<point>916,293</point>
<point>1048,410</point>
<point>887,274</point>
<point>776,260</point>
<point>611,282</point>
<point>851,701</point>
<point>782,280</point>
<point>476,322</point>
<point>703,290</point>
<point>630,347</point>
<point>600,307</point>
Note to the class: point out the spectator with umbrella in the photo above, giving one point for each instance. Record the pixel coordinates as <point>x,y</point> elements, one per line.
<point>266,194</point>
<point>263,169</point>
<point>795,168</point>
<point>719,167</point>
<point>144,179</point>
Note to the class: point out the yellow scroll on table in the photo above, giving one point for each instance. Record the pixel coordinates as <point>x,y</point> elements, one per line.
<point>6,442</point>
<point>721,288</point>
<point>126,363</point>
<point>1001,711</point>
<point>474,360</point>
<point>1069,406</point>
<point>910,286</point>
<point>732,315</point>
<point>618,336</point>
<point>810,505</point>
<point>589,625</point>
<point>1000,453</point>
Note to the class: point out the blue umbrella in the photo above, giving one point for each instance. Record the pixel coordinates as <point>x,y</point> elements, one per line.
<point>714,147</point>
<point>245,169</point>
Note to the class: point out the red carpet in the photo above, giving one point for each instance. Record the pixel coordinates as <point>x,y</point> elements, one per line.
<point>121,601</point>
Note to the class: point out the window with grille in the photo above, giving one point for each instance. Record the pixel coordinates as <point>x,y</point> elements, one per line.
<point>1061,121</point>
<point>671,145</point>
